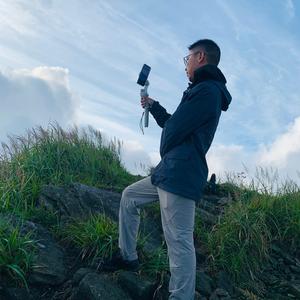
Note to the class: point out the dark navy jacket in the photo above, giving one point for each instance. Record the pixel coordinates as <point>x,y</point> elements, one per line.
<point>189,132</point>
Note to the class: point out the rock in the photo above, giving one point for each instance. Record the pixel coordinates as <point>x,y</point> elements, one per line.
<point>96,287</point>
<point>136,286</point>
<point>211,186</point>
<point>208,206</point>
<point>63,292</point>
<point>219,294</point>
<point>224,200</point>
<point>204,283</point>
<point>49,263</point>
<point>79,274</point>
<point>79,200</point>
<point>211,199</point>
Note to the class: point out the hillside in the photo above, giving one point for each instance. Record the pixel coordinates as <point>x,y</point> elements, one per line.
<point>59,200</point>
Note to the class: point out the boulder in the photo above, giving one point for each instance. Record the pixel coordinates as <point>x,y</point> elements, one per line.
<point>49,265</point>
<point>94,286</point>
<point>79,201</point>
<point>137,286</point>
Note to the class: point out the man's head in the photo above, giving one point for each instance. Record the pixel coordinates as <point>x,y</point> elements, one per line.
<point>201,53</point>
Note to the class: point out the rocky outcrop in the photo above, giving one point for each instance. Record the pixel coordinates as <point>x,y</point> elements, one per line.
<point>60,275</point>
<point>79,200</point>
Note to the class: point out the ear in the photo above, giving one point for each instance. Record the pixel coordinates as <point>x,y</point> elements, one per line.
<point>201,56</point>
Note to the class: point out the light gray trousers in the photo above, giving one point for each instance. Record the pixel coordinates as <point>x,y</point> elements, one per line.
<point>177,216</point>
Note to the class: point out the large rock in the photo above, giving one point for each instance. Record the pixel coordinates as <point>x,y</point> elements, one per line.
<point>97,287</point>
<point>79,200</point>
<point>219,294</point>
<point>137,287</point>
<point>49,262</point>
<point>79,274</point>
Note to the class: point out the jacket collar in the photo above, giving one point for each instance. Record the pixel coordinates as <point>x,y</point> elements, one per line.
<point>207,72</point>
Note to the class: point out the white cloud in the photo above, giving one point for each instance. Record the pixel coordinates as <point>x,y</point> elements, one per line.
<point>35,97</point>
<point>283,155</point>
<point>226,158</point>
<point>134,157</point>
<point>155,158</point>
<point>284,152</point>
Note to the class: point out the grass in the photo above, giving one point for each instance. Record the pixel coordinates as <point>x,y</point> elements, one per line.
<point>156,263</point>
<point>96,236</point>
<point>240,241</point>
<point>260,216</point>
<point>58,157</point>
<point>52,156</point>
<point>16,252</point>
<point>200,232</point>
<point>263,211</point>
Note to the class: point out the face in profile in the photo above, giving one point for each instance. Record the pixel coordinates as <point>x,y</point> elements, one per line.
<point>193,61</point>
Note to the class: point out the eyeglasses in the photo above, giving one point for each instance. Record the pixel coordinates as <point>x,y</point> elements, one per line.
<point>186,58</point>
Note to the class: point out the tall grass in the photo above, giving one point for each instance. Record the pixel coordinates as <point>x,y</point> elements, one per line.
<point>95,236</point>
<point>264,212</point>
<point>16,252</point>
<point>59,157</point>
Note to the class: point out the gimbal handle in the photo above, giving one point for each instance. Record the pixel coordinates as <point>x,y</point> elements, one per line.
<point>144,93</point>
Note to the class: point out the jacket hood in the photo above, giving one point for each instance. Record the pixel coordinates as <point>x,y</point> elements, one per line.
<point>212,72</point>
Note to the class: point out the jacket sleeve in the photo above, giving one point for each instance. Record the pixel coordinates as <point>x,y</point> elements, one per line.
<point>190,116</point>
<point>159,113</point>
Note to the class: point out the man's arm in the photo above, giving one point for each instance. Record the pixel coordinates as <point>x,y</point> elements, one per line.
<point>159,113</point>
<point>189,116</point>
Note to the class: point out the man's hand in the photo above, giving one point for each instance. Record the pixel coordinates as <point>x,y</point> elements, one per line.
<point>146,100</point>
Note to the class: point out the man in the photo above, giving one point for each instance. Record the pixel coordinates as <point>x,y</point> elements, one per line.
<point>178,180</point>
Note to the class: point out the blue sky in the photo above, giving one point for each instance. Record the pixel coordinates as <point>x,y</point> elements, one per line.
<point>78,61</point>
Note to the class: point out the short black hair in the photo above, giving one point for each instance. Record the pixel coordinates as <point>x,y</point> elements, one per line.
<point>211,49</point>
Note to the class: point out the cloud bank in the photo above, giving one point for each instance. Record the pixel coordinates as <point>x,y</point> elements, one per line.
<point>35,97</point>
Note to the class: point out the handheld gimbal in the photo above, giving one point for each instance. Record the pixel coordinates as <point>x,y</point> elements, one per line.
<point>143,81</point>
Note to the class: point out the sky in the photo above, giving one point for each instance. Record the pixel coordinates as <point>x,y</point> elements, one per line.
<point>77,62</point>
